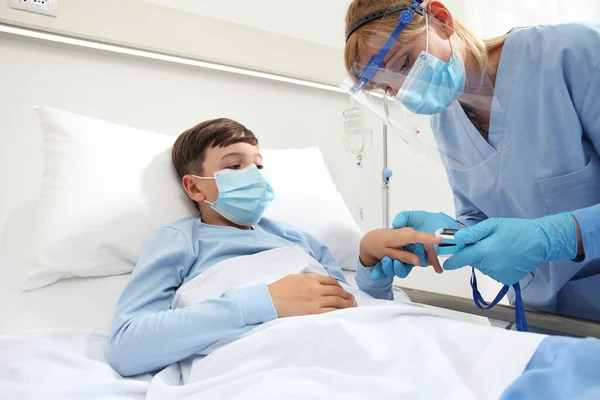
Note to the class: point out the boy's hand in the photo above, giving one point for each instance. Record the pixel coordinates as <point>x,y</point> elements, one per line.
<point>306,294</point>
<point>379,243</point>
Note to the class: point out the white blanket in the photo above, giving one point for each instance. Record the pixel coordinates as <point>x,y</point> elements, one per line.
<point>268,266</point>
<point>380,350</point>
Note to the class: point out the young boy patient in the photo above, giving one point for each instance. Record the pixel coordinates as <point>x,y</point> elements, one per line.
<point>220,166</point>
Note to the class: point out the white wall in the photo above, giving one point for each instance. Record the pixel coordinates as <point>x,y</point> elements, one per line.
<point>489,18</point>
<point>146,26</point>
<point>256,34</point>
<point>315,21</point>
<point>322,22</point>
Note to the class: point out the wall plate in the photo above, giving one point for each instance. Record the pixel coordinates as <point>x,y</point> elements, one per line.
<point>44,7</point>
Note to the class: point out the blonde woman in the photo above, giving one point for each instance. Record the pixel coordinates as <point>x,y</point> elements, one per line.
<point>515,121</point>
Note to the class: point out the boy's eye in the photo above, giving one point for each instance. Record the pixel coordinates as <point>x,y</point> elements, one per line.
<point>239,166</point>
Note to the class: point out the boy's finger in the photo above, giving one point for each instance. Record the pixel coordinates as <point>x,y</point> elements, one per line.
<point>330,290</point>
<point>327,280</point>
<point>406,236</point>
<point>425,238</point>
<point>337,302</point>
<point>432,258</point>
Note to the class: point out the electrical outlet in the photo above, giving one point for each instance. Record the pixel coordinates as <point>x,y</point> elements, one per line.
<point>39,3</point>
<point>44,7</point>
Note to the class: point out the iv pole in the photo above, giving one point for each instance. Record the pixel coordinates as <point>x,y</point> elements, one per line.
<point>386,173</point>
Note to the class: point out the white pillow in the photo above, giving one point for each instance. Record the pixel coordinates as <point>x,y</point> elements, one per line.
<point>305,196</point>
<point>107,187</point>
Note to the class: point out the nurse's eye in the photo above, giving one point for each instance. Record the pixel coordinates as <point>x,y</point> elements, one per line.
<point>406,64</point>
<point>234,166</point>
<point>259,166</point>
<point>394,67</point>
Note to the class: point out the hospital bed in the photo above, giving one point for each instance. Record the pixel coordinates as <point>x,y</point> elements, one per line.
<point>53,341</point>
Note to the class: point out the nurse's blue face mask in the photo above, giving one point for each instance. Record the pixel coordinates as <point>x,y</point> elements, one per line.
<point>244,194</point>
<point>432,84</point>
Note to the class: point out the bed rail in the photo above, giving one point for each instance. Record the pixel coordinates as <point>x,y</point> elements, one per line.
<point>557,323</point>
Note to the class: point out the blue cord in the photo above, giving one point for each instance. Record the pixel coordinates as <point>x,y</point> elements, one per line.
<point>520,318</point>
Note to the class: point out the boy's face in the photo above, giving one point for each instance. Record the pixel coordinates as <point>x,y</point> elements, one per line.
<point>235,156</point>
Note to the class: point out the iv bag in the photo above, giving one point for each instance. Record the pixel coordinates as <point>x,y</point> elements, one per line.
<point>357,139</point>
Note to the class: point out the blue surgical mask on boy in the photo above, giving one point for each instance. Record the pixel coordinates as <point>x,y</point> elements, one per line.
<point>244,194</point>
<point>432,84</point>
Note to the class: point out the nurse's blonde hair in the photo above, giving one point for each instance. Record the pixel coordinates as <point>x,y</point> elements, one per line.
<point>384,26</point>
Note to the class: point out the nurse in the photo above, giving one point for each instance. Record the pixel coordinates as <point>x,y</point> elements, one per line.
<point>515,122</point>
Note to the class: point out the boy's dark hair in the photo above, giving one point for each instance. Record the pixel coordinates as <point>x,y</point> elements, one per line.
<point>190,147</point>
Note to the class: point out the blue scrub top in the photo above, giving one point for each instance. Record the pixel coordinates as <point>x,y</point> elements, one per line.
<point>548,90</point>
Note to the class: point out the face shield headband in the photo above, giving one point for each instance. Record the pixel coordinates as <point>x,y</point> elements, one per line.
<point>376,62</point>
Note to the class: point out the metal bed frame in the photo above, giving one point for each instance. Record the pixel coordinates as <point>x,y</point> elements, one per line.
<point>538,319</point>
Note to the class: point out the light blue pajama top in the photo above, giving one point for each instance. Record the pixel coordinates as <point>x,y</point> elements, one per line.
<point>148,335</point>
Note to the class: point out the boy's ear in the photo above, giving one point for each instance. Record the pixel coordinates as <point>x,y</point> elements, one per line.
<point>192,190</point>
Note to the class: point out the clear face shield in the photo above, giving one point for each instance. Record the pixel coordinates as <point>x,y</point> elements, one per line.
<point>415,80</point>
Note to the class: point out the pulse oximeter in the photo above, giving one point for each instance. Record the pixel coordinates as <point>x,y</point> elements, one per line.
<point>448,245</point>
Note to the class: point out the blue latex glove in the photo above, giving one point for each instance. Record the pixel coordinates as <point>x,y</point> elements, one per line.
<point>390,268</point>
<point>508,249</point>
<point>421,221</point>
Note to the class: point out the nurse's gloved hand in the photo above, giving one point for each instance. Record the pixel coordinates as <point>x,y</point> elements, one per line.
<point>423,221</point>
<point>508,249</point>
<point>420,221</point>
